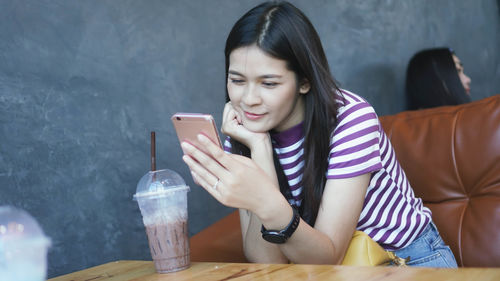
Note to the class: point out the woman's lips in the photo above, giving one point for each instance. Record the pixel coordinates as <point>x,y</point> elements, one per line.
<point>253,116</point>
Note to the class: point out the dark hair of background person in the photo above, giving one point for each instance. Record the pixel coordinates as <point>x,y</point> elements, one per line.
<point>432,80</point>
<point>284,32</point>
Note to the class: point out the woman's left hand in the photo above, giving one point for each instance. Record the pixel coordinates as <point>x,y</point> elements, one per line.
<point>232,125</point>
<point>235,181</point>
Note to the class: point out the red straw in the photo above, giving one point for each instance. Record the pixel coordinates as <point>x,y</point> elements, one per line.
<point>153,151</point>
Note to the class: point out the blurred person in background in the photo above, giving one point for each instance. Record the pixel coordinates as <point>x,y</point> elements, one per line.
<point>435,77</point>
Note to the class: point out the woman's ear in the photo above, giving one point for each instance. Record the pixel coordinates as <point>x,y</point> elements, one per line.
<point>304,87</point>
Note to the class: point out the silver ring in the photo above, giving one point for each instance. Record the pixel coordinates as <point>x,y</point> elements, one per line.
<point>214,187</point>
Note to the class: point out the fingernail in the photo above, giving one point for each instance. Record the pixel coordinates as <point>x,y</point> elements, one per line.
<point>186,145</point>
<point>202,138</point>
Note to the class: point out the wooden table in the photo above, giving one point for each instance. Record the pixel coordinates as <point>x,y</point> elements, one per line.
<point>145,271</point>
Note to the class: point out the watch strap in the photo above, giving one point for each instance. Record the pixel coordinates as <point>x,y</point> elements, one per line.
<point>280,236</point>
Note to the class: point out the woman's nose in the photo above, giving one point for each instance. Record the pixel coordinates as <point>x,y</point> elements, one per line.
<point>251,95</point>
<point>467,79</point>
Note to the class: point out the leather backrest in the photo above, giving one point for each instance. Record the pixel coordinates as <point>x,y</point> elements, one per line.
<point>451,156</point>
<point>220,242</point>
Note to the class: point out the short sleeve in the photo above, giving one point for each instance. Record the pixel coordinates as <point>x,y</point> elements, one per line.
<point>355,145</point>
<point>227,145</point>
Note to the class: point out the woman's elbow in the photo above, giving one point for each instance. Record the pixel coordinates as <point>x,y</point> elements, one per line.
<point>262,257</point>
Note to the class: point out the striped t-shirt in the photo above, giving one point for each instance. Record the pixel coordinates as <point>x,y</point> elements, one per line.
<point>391,214</point>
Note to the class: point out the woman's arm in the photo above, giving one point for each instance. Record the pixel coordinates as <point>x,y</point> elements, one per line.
<point>242,184</point>
<point>327,241</point>
<point>245,185</point>
<point>255,248</point>
<point>335,224</point>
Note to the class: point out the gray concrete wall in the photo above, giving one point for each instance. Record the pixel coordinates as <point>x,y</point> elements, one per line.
<point>82,83</point>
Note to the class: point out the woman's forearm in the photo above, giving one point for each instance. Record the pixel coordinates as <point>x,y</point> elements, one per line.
<point>257,249</point>
<point>310,246</point>
<point>307,245</point>
<point>262,155</point>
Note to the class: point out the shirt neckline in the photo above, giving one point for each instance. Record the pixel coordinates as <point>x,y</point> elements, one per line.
<point>288,136</point>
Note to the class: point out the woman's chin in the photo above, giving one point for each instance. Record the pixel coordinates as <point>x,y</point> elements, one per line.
<point>254,127</point>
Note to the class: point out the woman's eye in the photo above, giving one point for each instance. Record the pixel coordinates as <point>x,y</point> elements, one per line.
<point>269,84</point>
<point>237,81</point>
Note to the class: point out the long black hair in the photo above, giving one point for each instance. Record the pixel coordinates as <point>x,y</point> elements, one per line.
<point>284,32</point>
<point>432,80</point>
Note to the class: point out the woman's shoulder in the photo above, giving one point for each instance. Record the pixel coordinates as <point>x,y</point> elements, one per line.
<point>345,98</point>
<point>351,104</point>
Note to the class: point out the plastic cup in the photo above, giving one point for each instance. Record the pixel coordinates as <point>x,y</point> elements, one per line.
<point>23,246</point>
<point>162,199</point>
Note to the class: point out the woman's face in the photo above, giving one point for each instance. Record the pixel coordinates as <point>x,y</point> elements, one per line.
<point>463,78</point>
<point>263,91</point>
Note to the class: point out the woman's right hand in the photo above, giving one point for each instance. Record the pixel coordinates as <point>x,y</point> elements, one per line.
<point>234,180</point>
<point>232,126</point>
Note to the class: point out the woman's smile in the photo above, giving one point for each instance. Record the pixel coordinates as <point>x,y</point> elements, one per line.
<point>253,116</point>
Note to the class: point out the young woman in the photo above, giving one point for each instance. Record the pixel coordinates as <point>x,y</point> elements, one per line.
<point>309,162</point>
<point>436,77</point>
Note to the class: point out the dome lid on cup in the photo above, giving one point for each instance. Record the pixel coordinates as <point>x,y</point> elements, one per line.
<point>16,225</point>
<point>159,183</point>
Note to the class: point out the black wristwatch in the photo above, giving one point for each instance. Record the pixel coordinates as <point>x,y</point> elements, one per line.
<point>280,236</point>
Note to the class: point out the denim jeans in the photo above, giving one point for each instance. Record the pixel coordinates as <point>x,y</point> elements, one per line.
<point>428,250</point>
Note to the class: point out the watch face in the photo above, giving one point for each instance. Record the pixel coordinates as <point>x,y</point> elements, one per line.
<point>274,237</point>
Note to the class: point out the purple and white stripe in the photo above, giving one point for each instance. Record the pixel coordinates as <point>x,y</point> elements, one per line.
<point>292,162</point>
<point>391,214</point>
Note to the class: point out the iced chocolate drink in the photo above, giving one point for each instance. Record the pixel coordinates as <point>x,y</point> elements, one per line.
<point>169,246</point>
<point>162,198</point>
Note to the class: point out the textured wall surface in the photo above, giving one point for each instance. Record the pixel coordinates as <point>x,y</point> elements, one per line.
<point>82,83</point>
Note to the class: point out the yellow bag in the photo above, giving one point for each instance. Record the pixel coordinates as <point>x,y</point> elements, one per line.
<point>364,251</point>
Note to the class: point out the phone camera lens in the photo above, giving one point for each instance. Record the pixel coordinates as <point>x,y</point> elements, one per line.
<point>178,118</point>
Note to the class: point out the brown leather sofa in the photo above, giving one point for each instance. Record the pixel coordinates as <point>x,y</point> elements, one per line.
<point>451,156</point>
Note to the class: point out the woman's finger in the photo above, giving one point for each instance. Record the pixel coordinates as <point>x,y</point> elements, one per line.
<point>227,110</point>
<point>213,189</point>
<point>235,115</point>
<point>228,113</point>
<point>205,165</point>
<point>203,176</point>
<point>230,120</point>
<point>216,153</point>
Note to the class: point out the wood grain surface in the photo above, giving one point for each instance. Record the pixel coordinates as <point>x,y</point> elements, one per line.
<point>145,271</point>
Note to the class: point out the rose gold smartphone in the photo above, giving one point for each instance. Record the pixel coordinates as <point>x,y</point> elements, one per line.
<point>189,125</point>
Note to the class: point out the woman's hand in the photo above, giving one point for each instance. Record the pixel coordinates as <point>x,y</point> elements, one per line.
<point>234,180</point>
<point>232,125</point>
